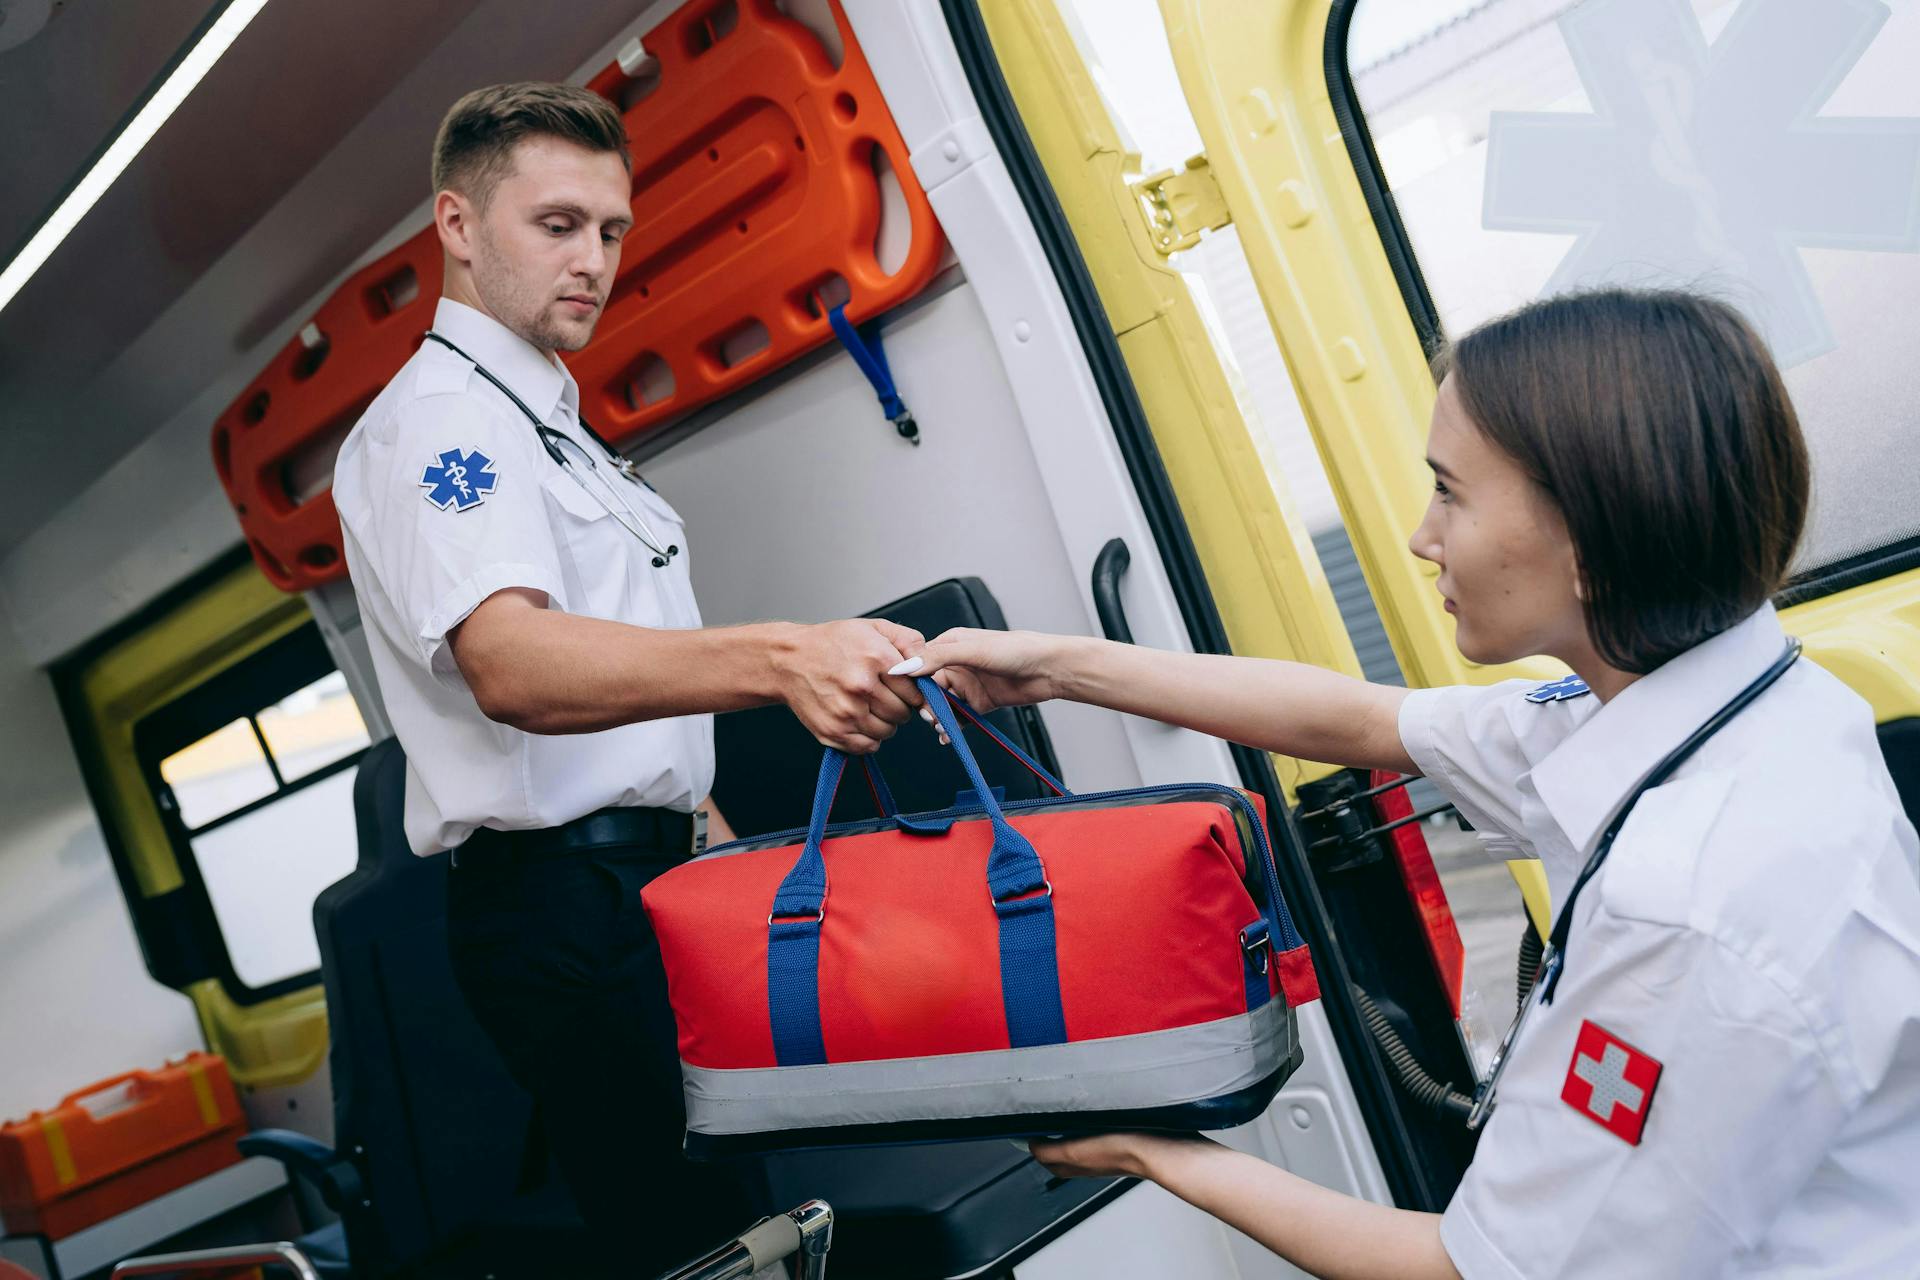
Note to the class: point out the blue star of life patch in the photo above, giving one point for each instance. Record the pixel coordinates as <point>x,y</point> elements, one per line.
<point>458,480</point>
<point>1559,690</point>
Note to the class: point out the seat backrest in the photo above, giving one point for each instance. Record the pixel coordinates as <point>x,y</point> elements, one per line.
<point>768,762</point>
<point>419,1091</point>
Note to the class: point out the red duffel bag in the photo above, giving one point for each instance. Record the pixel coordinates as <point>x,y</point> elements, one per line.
<point>1067,964</point>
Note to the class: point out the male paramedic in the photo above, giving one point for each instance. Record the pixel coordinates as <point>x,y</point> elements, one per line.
<point>533,627</point>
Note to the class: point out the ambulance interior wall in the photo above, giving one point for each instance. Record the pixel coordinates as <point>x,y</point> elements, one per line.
<point>800,503</point>
<point>803,503</point>
<point>76,1002</point>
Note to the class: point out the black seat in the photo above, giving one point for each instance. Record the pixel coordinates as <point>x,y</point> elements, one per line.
<point>430,1165</point>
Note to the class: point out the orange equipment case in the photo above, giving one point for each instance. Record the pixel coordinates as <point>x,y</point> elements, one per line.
<point>118,1144</point>
<point>756,192</point>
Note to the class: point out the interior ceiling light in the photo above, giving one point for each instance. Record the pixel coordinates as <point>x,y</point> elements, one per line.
<point>186,73</point>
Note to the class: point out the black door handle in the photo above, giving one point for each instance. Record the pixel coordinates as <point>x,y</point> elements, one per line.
<point>1108,568</point>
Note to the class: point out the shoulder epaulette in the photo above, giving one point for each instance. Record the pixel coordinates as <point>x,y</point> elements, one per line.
<point>1559,690</point>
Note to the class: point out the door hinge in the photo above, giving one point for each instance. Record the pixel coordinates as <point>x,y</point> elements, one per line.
<point>1178,204</point>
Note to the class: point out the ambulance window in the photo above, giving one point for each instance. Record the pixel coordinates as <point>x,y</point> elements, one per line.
<point>312,727</point>
<point>264,869</point>
<point>1766,153</point>
<point>224,771</point>
<point>264,803</point>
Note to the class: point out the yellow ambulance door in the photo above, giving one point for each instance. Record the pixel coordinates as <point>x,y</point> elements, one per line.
<point>1400,171</point>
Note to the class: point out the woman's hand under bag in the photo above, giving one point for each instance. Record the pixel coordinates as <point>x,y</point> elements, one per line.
<point>1323,1232</point>
<point>1107,1155</point>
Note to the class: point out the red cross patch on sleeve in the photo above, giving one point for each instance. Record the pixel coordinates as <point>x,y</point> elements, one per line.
<point>1610,1082</point>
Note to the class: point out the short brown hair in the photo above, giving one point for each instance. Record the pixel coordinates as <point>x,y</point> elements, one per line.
<point>1659,425</point>
<point>474,149</point>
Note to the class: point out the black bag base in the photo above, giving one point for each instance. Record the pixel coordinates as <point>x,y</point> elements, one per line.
<point>1222,1112</point>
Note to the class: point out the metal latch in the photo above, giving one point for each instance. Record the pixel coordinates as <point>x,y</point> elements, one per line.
<point>1179,204</point>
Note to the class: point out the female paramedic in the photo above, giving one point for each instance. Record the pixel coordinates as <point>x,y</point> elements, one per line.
<point>1719,1070</point>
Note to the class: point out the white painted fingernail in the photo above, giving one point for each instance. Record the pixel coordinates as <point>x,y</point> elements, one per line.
<point>907,667</point>
<point>927,715</point>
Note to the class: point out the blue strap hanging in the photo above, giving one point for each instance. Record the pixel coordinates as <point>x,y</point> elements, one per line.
<point>872,359</point>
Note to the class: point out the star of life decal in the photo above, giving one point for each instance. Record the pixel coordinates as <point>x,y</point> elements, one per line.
<point>1709,165</point>
<point>459,479</point>
<point>1610,1082</point>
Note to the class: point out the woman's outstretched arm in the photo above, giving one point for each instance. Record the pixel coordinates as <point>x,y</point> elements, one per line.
<point>1285,707</point>
<point>1322,1232</point>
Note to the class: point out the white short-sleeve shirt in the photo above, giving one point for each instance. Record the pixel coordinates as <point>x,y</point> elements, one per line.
<point>1755,932</point>
<point>447,495</point>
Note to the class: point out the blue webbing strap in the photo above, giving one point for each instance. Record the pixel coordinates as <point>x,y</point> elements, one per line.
<point>882,794</point>
<point>1022,898</point>
<point>1016,880</point>
<point>793,936</point>
<point>1255,958</point>
<point>872,359</point>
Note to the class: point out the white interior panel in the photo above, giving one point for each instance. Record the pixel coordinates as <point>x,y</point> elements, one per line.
<point>76,1004</point>
<point>919,70</point>
<point>1029,325</point>
<point>805,504</point>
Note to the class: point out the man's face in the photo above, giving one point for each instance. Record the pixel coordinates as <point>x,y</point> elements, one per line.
<point>546,248</point>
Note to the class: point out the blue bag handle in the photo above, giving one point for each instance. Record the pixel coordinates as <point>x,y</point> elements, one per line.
<point>1008,745</point>
<point>1016,883</point>
<point>882,794</point>
<point>888,807</point>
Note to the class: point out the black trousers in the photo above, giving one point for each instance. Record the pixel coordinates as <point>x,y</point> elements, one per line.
<point>557,962</point>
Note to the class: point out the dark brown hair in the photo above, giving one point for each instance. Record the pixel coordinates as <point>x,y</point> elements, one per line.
<point>1657,422</point>
<point>474,149</point>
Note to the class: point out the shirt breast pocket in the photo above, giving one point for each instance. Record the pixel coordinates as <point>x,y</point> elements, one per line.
<point>600,557</point>
<point>1651,874</point>
<point>572,498</point>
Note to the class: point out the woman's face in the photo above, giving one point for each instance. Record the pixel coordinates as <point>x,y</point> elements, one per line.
<point>1507,566</point>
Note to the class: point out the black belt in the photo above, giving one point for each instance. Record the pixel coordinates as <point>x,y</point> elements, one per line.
<point>660,830</point>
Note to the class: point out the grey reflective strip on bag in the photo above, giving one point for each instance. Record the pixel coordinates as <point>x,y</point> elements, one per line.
<point>1154,1069</point>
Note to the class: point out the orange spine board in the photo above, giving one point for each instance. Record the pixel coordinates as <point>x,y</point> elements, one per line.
<point>756,191</point>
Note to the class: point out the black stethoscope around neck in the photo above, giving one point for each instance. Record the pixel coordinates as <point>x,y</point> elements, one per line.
<point>577,462</point>
<point>1553,958</point>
